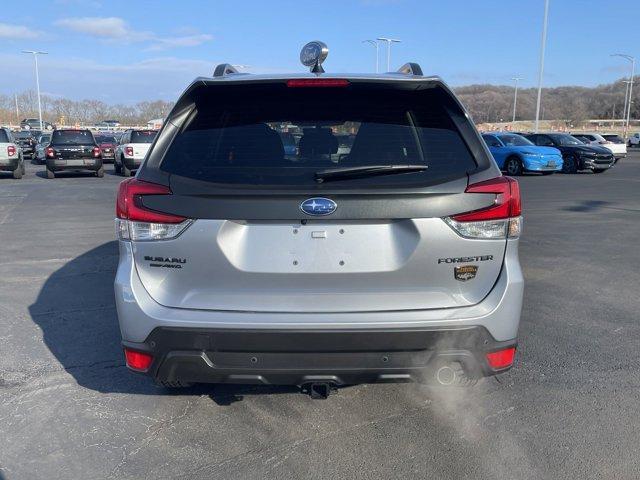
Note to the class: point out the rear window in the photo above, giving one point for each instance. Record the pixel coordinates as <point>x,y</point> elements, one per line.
<point>244,136</point>
<point>72,137</point>
<point>105,139</point>
<point>4,138</point>
<point>143,136</point>
<point>614,138</point>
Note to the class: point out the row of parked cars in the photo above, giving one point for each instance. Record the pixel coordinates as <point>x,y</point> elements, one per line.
<point>74,150</point>
<point>82,149</point>
<point>547,153</point>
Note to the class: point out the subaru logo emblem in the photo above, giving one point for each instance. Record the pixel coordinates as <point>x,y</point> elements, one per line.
<point>318,206</point>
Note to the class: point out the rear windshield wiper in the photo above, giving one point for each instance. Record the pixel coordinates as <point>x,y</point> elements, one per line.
<point>366,171</point>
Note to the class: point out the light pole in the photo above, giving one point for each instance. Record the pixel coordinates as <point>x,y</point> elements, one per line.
<point>515,97</point>
<point>543,46</point>
<point>35,58</point>
<point>377,47</point>
<point>389,42</point>
<point>627,112</point>
<point>626,99</point>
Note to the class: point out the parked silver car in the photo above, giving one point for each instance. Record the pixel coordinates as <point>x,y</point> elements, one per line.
<point>397,263</point>
<point>43,142</point>
<point>11,159</point>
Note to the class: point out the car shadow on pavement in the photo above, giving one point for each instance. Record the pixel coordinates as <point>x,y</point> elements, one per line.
<point>75,309</point>
<point>71,174</point>
<point>586,206</point>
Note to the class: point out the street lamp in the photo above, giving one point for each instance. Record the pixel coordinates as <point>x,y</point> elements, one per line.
<point>376,45</point>
<point>626,98</point>
<point>35,58</point>
<point>389,42</point>
<point>543,45</point>
<point>515,97</point>
<point>627,112</point>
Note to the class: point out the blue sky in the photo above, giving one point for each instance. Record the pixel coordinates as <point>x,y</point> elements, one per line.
<point>127,51</point>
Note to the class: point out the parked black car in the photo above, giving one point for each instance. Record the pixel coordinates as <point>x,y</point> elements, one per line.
<point>576,155</point>
<point>34,123</point>
<point>73,150</point>
<point>27,142</point>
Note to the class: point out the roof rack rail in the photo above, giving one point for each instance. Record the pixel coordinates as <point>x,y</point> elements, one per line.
<point>224,69</point>
<point>410,69</point>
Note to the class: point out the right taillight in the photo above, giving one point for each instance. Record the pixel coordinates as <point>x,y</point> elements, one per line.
<point>128,151</point>
<point>498,221</point>
<point>11,150</point>
<point>136,222</point>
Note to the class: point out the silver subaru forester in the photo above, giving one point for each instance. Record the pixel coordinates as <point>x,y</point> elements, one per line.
<point>318,230</point>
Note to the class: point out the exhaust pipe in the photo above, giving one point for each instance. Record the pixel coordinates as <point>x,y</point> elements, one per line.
<point>454,374</point>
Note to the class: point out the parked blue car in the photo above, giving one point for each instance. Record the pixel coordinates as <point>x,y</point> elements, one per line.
<point>515,154</point>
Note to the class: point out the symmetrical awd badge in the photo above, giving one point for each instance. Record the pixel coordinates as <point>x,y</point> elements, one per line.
<point>465,272</point>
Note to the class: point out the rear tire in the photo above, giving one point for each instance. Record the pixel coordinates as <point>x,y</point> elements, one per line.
<point>513,166</point>
<point>24,169</point>
<point>100,173</point>
<point>50,174</point>
<point>125,171</point>
<point>116,167</point>
<point>569,165</point>
<point>17,173</point>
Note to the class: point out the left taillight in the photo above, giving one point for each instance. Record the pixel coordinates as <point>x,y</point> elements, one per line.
<point>498,221</point>
<point>11,150</point>
<point>138,361</point>
<point>501,359</point>
<point>96,152</point>
<point>138,223</point>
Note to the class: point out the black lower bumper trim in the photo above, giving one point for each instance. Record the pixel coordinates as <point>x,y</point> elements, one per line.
<point>297,357</point>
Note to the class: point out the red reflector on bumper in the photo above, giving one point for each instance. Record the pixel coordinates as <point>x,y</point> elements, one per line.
<point>501,358</point>
<point>138,360</point>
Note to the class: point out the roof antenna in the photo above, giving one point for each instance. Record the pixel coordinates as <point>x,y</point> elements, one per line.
<point>313,54</point>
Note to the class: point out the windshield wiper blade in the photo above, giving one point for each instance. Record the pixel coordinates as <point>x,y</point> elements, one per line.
<point>366,171</point>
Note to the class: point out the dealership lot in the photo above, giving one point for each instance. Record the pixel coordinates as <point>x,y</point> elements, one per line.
<point>569,408</point>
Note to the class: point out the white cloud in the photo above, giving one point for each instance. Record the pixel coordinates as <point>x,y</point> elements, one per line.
<point>105,27</point>
<point>17,31</point>
<point>183,41</point>
<point>116,29</point>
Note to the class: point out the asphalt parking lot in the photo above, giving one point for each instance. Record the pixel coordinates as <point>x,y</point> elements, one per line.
<point>569,408</point>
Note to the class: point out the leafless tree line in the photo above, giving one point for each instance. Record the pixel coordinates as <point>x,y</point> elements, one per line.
<point>72,112</point>
<point>485,103</point>
<point>491,103</point>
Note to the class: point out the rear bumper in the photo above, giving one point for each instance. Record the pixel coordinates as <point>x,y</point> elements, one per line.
<point>9,164</point>
<point>290,348</point>
<point>57,164</point>
<point>132,163</point>
<point>297,357</point>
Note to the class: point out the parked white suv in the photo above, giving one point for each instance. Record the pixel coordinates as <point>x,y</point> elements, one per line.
<point>10,154</point>
<point>619,149</point>
<point>634,140</point>
<point>132,149</point>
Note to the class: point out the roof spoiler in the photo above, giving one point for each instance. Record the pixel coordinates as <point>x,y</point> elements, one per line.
<point>410,69</point>
<point>224,69</point>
